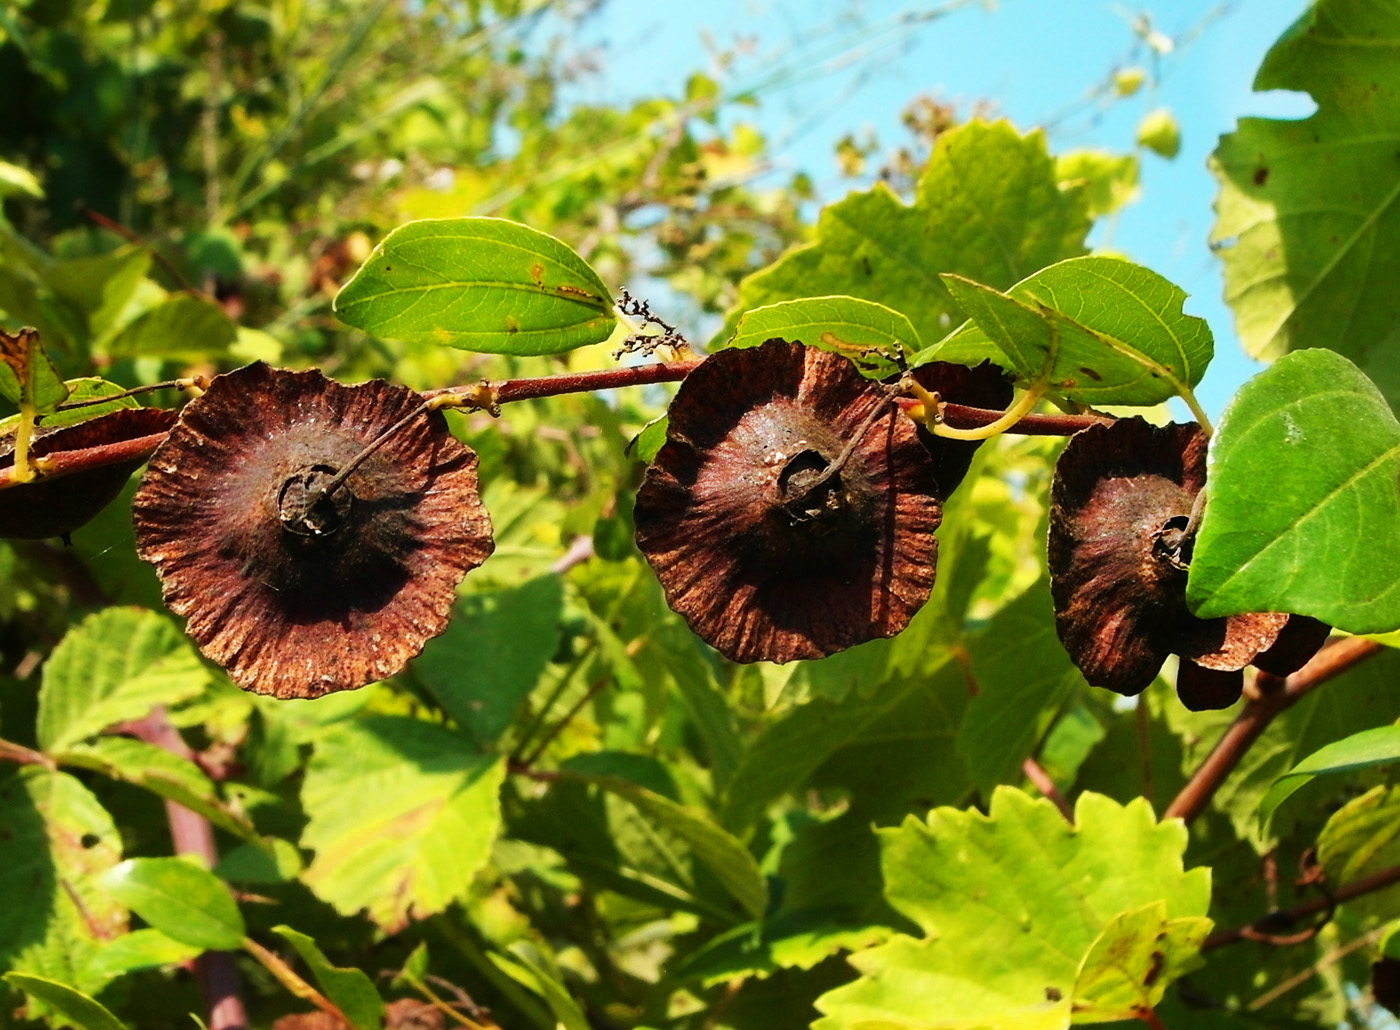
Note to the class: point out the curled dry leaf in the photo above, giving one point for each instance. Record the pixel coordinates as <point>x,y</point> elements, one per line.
<point>55,505</point>
<point>791,512</point>
<point>298,592</point>
<point>1119,553</point>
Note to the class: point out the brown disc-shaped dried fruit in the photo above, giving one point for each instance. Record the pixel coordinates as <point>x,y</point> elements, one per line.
<point>983,386</point>
<point>55,505</point>
<point>1300,639</point>
<point>1118,555</point>
<point>295,591</point>
<point>790,513</point>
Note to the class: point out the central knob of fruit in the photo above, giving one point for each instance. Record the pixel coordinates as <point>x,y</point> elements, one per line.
<point>810,488</point>
<point>305,507</point>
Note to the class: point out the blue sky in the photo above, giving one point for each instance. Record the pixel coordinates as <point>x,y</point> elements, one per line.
<point>829,67</point>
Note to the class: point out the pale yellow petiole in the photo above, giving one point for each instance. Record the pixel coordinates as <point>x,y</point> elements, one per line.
<point>931,414</point>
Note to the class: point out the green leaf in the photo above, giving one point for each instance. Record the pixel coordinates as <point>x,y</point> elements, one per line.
<point>16,181</point>
<point>1360,838</point>
<point>1023,676</point>
<point>1299,273</point>
<point>86,389</point>
<point>1019,910</point>
<point>27,376</point>
<point>870,334</point>
<point>526,970</point>
<point>1302,513</point>
<point>182,900</point>
<point>645,444</point>
<point>180,326</point>
<point>1129,966</point>
<point>492,655</point>
<point>74,1005</point>
<point>350,989</point>
<point>1379,746</point>
<point>402,815</point>
<point>114,665</point>
<point>1098,330</point>
<point>1110,181</point>
<point>988,206</point>
<point>57,840</point>
<point>481,284</point>
<point>730,862</point>
<point>164,774</point>
<point>140,949</point>
<point>791,940</point>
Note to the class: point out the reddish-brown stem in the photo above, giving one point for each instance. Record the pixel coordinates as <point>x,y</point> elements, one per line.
<point>1042,782</point>
<point>1259,929</point>
<point>505,391</point>
<point>192,835</point>
<point>1274,696</point>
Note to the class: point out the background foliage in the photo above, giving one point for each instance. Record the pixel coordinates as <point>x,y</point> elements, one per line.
<point>569,811</point>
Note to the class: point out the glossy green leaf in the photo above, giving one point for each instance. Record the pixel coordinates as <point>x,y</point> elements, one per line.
<point>350,989</point>
<point>1099,330</point>
<point>1300,272</point>
<point>481,284</point>
<point>27,376</point>
<point>1014,906</point>
<point>1302,509</point>
<point>1379,746</point>
<point>182,325</point>
<point>82,1011</point>
<point>871,335</point>
<point>996,227</point>
<point>112,666</point>
<point>57,841</point>
<point>730,862</point>
<point>145,948</point>
<point>164,774</point>
<point>492,655</point>
<point>402,815</point>
<point>644,445</point>
<point>179,898</point>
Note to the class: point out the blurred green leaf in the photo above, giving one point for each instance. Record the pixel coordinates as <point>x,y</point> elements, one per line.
<point>1099,330</point>
<point>1299,273</point>
<point>16,181</point>
<point>1360,838</point>
<point>1109,181</point>
<point>350,989</point>
<point>401,816</point>
<point>181,326</point>
<point>1302,512</point>
<point>870,334</point>
<point>114,665</point>
<point>182,900</point>
<point>74,1005</point>
<point>1017,908</point>
<point>480,284</point>
<point>145,948</point>
<point>27,376</point>
<point>520,968</point>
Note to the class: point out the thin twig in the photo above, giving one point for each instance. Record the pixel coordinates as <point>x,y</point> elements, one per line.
<point>1255,717</point>
<point>1259,930</point>
<point>1042,782</point>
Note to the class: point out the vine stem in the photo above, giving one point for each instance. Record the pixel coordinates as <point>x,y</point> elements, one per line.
<point>1255,932</point>
<point>487,395</point>
<point>1274,695</point>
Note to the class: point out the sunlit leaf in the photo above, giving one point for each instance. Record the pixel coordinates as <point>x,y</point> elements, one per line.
<point>481,284</point>
<point>1379,746</point>
<point>88,389</point>
<point>184,325</point>
<point>870,334</point>
<point>1099,330</point>
<point>27,376</point>
<point>75,1006</point>
<point>1300,272</point>
<point>112,666</point>
<point>1302,506</point>
<point>1015,906</point>
<point>1359,839</point>
<point>182,900</point>
<point>402,815</point>
<point>989,207</point>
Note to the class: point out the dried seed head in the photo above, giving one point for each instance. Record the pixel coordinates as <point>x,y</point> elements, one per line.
<point>791,512</point>
<point>57,505</point>
<point>298,590</point>
<point>1118,555</point>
